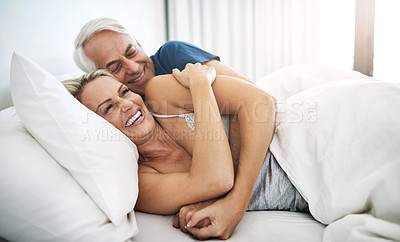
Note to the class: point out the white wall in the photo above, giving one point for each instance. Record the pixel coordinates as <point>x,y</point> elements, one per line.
<point>45,30</point>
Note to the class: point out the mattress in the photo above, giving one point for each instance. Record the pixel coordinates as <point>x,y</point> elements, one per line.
<point>257,226</point>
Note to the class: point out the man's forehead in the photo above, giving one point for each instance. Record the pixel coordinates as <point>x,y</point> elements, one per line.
<point>111,36</point>
<point>103,46</point>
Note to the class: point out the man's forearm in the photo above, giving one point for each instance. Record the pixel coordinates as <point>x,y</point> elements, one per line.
<point>257,123</point>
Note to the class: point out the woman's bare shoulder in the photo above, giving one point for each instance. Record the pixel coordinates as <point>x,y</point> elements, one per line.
<point>165,90</point>
<point>158,83</point>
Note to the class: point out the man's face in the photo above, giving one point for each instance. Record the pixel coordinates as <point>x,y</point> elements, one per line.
<point>122,56</point>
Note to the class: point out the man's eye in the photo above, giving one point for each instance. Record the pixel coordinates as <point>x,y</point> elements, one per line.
<point>131,54</point>
<point>114,68</point>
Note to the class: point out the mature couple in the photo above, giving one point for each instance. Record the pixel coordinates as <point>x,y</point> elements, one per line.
<point>206,167</point>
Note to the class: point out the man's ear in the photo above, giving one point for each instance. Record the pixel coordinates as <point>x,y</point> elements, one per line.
<point>138,43</point>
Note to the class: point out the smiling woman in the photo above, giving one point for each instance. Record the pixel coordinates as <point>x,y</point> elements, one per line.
<point>118,105</point>
<point>114,95</point>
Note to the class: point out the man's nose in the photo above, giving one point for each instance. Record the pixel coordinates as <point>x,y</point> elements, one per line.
<point>132,67</point>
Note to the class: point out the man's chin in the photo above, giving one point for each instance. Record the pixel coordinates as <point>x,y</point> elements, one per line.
<point>138,89</point>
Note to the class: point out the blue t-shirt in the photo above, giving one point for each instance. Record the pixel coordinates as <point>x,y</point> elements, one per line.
<point>176,54</point>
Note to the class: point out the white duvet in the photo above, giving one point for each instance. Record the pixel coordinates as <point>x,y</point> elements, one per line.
<point>339,143</point>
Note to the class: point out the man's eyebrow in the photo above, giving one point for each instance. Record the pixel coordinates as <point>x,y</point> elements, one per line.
<point>115,61</point>
<point>105,101</point>
<point>111,63</point>
<point>128,48</point>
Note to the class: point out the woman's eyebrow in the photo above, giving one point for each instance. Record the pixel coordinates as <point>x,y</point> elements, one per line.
<point>120,87</point>
<point>105,101</point>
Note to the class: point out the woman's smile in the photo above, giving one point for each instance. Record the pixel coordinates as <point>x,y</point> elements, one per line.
<point>135,119</point>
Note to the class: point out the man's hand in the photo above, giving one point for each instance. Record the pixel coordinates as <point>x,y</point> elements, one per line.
<point>194,72</point>
<point>186,212</point>
<point>218,219</point>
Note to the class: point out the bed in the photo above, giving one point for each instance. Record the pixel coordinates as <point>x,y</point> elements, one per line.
<point>57,184</point>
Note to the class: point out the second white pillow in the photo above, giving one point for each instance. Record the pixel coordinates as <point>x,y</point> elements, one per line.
<point>99,157</point>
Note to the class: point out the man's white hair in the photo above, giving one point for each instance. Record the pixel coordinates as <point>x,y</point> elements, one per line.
<point>92,27</point>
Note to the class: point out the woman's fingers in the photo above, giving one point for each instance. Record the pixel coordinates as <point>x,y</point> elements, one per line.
<point>182,218</point>
<point>176,221</point>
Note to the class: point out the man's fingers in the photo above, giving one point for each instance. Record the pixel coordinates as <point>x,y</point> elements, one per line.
<point>213,229</point>
<point>203,223</point>
<point>199,215</point>
<point>203,233</point>
<point>176,71</point>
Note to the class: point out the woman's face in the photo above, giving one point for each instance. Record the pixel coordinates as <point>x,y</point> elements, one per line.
<point>123,108</point>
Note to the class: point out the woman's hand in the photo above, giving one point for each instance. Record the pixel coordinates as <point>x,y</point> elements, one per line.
<point>194,72</point>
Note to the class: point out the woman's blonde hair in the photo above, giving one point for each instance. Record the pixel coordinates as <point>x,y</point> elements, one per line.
<point>75,86</point>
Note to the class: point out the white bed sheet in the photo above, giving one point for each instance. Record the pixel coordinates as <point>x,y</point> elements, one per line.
<point>257,226</point>
<point>261,226</point>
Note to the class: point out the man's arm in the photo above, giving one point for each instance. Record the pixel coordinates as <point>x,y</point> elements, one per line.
<point>211,160</point>
<point>256,114</point>
<point>223,69</point>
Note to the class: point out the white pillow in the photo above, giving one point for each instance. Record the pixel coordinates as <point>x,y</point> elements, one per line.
<point>290,80</point>
<point>99,157</point>
<point>40,200</point>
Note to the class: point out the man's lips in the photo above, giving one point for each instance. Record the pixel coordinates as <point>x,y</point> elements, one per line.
<point>137,78</point>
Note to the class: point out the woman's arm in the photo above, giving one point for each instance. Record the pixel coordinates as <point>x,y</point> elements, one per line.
<point>211,172</point>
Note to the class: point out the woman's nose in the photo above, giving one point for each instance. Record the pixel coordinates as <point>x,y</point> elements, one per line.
<point>125,105</point>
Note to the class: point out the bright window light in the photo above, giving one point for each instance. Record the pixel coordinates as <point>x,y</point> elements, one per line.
<point>387,40</point>
<point>334,36</point>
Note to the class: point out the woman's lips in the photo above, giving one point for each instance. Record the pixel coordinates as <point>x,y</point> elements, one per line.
<point>135,119</point>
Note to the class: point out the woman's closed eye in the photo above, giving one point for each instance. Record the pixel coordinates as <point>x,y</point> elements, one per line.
<point>108,108</point>
<point>124,91</point>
